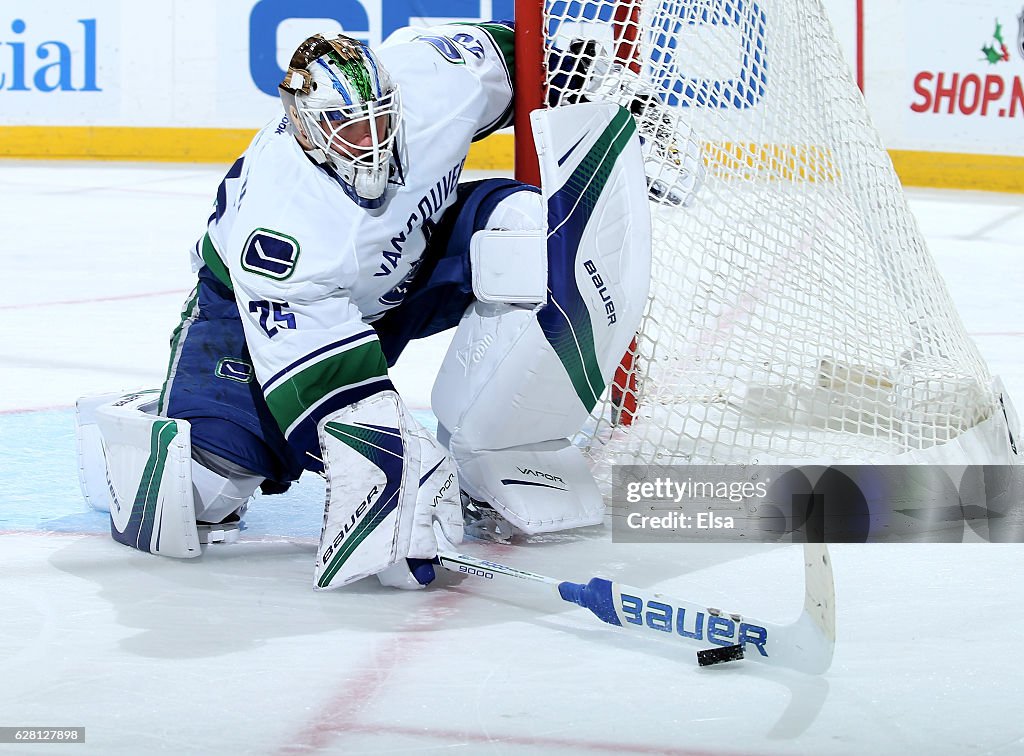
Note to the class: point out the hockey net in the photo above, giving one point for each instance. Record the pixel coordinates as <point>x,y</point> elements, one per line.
<point>795,312</point>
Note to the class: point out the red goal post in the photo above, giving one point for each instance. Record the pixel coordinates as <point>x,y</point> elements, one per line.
<point>531,91</point>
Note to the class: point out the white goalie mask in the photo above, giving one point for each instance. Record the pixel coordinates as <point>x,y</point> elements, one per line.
<point>342,103</point>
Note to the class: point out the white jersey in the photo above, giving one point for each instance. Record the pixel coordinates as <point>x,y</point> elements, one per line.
<point>310,269</point>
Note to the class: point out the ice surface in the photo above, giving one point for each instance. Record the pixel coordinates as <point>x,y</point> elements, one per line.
<point>235,653</point>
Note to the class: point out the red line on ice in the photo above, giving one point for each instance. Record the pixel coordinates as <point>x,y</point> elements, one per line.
<point>95,300</point>
<point>27,410</point>
<point>336,715</point>
<point>456,737</point>
<point>339,715</point>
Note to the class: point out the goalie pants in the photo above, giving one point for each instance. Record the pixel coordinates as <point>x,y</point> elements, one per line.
<point>211,381</point>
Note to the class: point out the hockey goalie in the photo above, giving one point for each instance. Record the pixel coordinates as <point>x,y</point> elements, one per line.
<point>340,235</point>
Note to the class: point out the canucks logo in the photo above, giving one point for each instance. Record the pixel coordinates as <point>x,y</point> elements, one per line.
<point>270,253</point>
<point>397,294</point>
<point>235,370</point>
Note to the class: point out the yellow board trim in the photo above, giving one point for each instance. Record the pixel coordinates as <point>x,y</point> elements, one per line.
<point>786,162</point>
<point>994,173</point>
<point>144,144</point>
<point>952,170</point>
<point>124,143</point>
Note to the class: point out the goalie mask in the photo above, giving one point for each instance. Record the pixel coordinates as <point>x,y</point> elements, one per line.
<point>341,102</point>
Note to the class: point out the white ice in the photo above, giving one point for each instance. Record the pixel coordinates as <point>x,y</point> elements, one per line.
<point>235,653</point>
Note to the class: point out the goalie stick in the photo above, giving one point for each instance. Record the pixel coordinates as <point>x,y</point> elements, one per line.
<point>805,645</point>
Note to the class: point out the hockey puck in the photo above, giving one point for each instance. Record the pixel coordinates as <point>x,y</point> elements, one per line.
<point>719,655</point>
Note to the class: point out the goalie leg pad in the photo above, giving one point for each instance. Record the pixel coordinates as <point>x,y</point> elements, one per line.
<point>544,368</point>
<point>538,488</point>
<point>148,470</point>
<point>221,487</point>
<point>515,376</point>
<point>222,491</point>
<point>388,481</point>
<point>92,466</point>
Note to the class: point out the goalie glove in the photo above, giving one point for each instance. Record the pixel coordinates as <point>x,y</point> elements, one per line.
<point>673,162</point>
<point>388,482</point>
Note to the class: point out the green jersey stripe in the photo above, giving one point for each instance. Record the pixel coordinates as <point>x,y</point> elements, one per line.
<point>296,396</point>
<point>214,263</point>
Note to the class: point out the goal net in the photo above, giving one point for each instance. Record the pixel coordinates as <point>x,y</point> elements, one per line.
<point>795,313</point>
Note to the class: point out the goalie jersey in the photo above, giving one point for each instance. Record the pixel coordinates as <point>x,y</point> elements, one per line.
<point>311,270</point>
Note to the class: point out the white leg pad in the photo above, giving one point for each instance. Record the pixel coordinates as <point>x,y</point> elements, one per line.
<point>148,473</point>
<point>388,482</point>
<point>518,380</point>
<point>217,496</point>
<point>538,488</point>
<point>92,467</point>
<point>503,394</point>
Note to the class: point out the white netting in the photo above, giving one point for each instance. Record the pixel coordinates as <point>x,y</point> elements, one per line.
<point>795,312</point>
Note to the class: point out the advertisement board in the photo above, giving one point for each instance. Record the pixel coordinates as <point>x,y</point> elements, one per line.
<point>175,79</point>
<point>945,87</point>
<point>191,81</point>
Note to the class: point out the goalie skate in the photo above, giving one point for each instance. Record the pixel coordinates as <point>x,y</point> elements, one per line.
<point>482,522</point>
<point>225,531</point>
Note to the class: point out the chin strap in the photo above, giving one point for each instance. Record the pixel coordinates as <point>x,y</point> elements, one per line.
<point>317,155</point>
